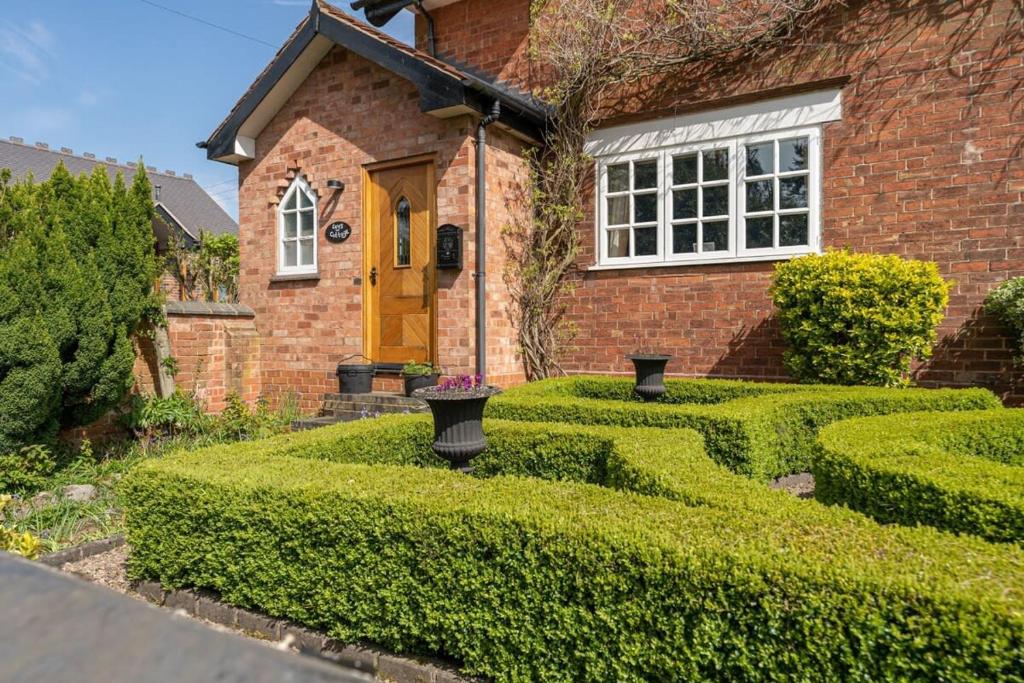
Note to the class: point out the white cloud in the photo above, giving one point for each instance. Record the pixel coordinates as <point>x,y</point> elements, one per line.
<point>27,50</point>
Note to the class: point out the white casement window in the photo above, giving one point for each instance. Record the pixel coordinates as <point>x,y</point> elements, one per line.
<point>743,187</point>
<point>297,230</point>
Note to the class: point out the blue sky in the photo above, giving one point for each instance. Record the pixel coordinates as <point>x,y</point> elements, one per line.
<point>123,78</point>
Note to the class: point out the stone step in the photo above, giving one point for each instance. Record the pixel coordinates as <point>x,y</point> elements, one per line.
<point>378,398</point>
<point>335,407</point>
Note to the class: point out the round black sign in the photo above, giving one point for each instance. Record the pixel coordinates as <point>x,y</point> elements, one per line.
<point>338,232</point>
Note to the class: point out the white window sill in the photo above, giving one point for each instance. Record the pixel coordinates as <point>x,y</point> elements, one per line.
<point>640,265</point>
<point>296,275</point>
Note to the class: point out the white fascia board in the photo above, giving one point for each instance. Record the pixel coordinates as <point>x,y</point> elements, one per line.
<point>806,109</point>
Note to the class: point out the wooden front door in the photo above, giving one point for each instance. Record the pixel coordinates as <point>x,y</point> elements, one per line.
<point>401,273</point>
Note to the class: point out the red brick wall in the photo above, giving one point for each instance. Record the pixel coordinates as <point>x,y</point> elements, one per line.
<point>490,37</point>
<point>926,163</point>
<point>216,355</point>
<point>349,113</point>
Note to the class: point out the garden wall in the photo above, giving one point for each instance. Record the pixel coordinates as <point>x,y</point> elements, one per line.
<point>216,349</point>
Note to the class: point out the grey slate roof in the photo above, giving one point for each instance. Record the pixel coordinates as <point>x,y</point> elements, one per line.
<point>180,195</point>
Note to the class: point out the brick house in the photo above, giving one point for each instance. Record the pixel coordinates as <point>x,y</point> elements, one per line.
<point>893,127</point>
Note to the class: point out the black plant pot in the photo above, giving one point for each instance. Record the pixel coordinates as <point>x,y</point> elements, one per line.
<point>650,375</point>
<point>414,382</point>
<point>458,422</point>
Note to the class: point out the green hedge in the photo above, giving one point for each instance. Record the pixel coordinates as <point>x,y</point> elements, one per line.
<point>959,472</point>
<point>688,572</point>
<point>758,429</point>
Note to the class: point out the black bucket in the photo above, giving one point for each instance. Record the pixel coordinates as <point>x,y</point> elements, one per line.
<point>355,379</point>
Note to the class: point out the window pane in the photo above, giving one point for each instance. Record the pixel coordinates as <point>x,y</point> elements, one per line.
<point>306,224</point>
<point>684,203</point>
<point>646,241</point>
<point>684,169</point>
<point>645,208</point>
<point>793,155</point>
<point>793,192</point>
<point>716,164</point>
<point>761,159</point>
<point>716,200</point>
<point>289,203</point>
<point>403,256</point>
<point>291,251</point>
<point>291,225</point>
<point>684,239</point>
<point>618,243</point>
<point>716,236</point>
<point>306,252</point>
<point>618,211</point>
<point>645,175</point>
<point>760,232</point>
<point>305,201</point>
<point>759,195</point>
<point>618,178</point>
<point>793,231</point>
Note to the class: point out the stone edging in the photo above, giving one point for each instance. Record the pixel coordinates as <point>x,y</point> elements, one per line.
<point>385,666</point>
<point>80,552</point>
<point>206,308</point>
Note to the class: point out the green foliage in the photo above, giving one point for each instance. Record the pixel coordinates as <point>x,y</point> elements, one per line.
<point>183,415</point>
<point>760,430</point>
<point>76,270</point>
<point>207,271</point>
<point>857,318</point>
<point>962,473</point>
<point>26,469</point>
<point>414,369</point>
<point>688,572</point>
<point>1006,302</point>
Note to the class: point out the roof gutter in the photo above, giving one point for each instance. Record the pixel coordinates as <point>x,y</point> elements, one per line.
<point>481,238</point>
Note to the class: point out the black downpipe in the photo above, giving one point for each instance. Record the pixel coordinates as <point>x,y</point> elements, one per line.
<point>481,238</point>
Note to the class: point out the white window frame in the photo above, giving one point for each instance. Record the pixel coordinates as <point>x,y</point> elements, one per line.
<point>298,185</point>
<point>733,128</point>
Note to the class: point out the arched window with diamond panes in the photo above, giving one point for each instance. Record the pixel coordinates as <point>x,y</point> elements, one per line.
<point>297,227</point>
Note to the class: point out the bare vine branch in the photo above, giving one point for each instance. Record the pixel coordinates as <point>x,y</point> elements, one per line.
<point>592,52</point>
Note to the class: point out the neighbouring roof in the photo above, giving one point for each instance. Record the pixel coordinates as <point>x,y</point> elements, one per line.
<point>181,199</point>
<point>445,89</point>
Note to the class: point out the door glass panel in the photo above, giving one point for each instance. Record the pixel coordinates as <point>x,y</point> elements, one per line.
<point>403,248</point>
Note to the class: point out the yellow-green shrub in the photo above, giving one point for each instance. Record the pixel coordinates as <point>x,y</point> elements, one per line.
<point>857,318</point>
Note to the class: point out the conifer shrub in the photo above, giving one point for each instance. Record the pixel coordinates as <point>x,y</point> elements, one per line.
<point>857,318</point>
<point>77,265</point>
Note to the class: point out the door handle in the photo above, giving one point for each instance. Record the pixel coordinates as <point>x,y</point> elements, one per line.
<point>373,276</point>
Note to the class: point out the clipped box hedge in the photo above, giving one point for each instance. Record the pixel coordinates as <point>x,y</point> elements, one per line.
<point>961,472</point>
<point>686,572</point>
<point>761,430</point>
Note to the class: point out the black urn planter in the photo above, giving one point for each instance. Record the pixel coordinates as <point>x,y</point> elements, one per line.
<point>414,382</point>
<point>650,375</point>
<point>458,422</point>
